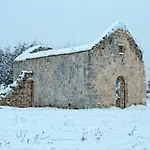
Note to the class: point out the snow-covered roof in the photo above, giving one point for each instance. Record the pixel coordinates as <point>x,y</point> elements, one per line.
<point>28,54</point>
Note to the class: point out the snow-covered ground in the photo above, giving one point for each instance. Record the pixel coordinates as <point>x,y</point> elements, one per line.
<point>62,129</point>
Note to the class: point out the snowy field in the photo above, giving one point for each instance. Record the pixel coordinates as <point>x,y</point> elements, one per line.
<point>88,129</point>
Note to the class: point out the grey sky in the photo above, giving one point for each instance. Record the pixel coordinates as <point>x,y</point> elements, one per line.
<point>64,22</point>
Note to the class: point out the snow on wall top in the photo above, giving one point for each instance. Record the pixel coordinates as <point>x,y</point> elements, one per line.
<point>9,89</point>
<point>28,54</point>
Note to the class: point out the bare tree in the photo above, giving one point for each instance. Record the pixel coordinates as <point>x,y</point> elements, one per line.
<point>7,56</point>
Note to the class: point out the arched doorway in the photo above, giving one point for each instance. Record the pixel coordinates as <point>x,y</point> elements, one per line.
<point>120,92</point>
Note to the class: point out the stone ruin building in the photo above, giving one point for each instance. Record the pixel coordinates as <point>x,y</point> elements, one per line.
<point>85,76</point>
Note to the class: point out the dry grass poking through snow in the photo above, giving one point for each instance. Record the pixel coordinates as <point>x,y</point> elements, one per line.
<point>60,129</point>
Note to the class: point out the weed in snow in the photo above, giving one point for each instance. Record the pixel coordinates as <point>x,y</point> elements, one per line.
<point>98,134</point>
<point>84,135</point>
<point>21,135</point>
<point>4,143</point>
<point>132,132</point>
<point>18,120</point>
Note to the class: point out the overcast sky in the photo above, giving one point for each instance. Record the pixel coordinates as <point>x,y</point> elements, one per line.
<point>59,23</point>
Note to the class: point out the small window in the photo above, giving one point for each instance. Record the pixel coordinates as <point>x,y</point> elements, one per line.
<point>121,49</point>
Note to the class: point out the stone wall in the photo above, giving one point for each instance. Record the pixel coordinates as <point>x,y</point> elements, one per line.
<point>88,79</point>
<point>22,95</point>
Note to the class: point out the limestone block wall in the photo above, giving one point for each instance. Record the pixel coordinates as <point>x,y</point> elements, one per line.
<point>88,79</point>
<point>22,95</point>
